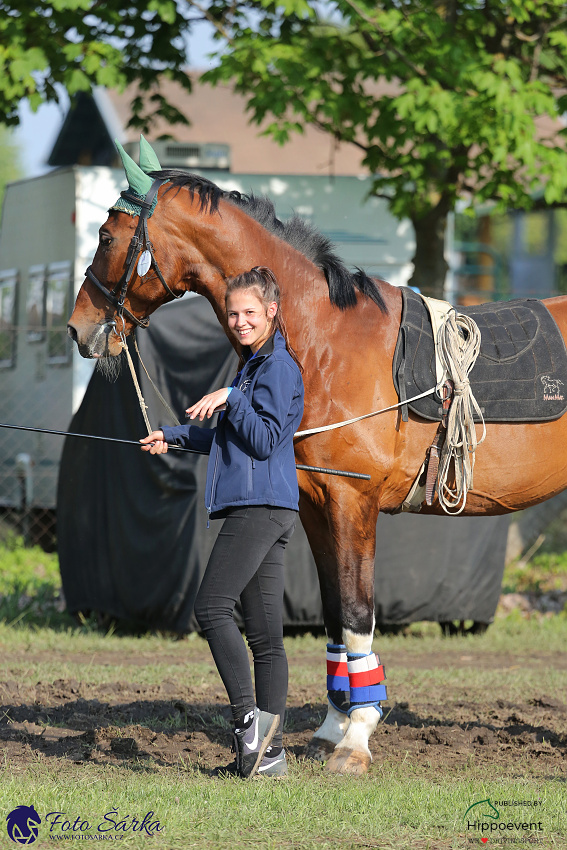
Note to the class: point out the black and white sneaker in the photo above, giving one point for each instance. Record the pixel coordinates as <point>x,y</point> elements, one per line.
<point>252,742</point>
<point>273,765</point>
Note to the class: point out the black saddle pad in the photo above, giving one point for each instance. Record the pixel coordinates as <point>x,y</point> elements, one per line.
<point>520,374</point>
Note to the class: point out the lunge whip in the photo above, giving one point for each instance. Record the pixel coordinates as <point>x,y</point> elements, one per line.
<point>321,469</point>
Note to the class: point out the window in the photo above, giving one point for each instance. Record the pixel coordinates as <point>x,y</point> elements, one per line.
<point>57,309</point>
<point>35,304</point>
<point>536,232</point>
<point>8,289</point>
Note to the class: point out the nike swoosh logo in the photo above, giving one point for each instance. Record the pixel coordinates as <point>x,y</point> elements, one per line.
<point>266,766</point>
<point>254,743</point>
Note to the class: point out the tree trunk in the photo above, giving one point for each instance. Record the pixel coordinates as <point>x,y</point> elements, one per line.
<point>429,262</point>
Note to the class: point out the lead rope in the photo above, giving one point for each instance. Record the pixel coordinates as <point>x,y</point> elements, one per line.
<point>141,401</point>
<point>458,346</point>
<point>157,392</point>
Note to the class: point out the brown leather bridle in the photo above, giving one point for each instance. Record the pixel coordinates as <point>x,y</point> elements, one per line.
<point>140,242</point>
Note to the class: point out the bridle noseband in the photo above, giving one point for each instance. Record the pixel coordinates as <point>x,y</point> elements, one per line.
<point>140,242</point>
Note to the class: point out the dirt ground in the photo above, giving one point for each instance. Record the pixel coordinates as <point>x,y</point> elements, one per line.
<point>169,724</point>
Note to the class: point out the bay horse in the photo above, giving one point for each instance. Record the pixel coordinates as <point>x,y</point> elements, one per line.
<point>343,327</point>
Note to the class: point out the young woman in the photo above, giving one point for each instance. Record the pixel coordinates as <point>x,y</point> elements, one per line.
<point>252,484</point>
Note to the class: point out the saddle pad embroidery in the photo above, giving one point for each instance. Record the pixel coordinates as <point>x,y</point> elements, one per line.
<point>520,374</point>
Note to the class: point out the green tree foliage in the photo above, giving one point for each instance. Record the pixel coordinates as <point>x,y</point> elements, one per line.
<point>445,99</point>
<point>80,43</point>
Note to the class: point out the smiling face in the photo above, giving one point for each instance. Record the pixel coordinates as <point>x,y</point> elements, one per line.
<point>248,319</point>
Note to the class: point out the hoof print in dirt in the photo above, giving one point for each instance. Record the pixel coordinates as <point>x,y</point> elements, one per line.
<point>124,746</point>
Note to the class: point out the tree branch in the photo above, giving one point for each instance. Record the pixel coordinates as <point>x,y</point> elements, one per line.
<point>374,23</point>
<point>320,125</point>
<point>212,20</point>
<point>544,32</point>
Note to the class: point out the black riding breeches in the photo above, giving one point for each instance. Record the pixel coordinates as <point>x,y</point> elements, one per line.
<point>247,561</point>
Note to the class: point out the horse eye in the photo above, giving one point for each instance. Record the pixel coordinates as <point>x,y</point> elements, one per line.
<point>104,239</point>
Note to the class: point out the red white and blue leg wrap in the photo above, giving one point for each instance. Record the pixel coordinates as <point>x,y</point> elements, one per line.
<point>365,675</point>
<point>338,682</point>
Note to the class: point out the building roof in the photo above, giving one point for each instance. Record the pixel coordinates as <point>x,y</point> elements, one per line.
<point>218,115</point>
<point>85,136</point>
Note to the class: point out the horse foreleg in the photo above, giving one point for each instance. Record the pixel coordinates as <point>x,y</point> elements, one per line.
<point>336,722</point>
<point>344,555</point>
<point>367,691</point>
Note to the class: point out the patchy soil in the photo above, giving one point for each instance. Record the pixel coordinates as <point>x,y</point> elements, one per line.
<point>170,724</point>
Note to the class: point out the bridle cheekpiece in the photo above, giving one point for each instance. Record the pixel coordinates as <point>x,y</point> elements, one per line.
<point>140,242</point>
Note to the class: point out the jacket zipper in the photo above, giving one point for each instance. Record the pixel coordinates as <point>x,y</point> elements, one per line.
<point>209,507</point>
<point>250,476</point>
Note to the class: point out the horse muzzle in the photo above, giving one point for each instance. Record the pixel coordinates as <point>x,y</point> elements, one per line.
<point>96,341</point>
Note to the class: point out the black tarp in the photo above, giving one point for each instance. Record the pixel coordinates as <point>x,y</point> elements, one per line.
<point>132,532</point>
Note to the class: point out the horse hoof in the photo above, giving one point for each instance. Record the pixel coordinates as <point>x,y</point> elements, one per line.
<point>351,762</point>
<point>319,749</point>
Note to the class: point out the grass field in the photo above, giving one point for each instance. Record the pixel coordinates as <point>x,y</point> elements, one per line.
<point>105,729</point>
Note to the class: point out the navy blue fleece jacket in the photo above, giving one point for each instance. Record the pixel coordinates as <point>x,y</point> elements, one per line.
<point>251,460</point>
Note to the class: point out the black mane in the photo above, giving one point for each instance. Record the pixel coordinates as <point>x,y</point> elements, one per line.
<point>342,283</point>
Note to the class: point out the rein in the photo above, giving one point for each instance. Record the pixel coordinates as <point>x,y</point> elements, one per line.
<point>140,242</point>
<point>365,416</point>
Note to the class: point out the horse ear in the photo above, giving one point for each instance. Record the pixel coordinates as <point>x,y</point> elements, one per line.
<point>148,157</point>
<point>139,182</point>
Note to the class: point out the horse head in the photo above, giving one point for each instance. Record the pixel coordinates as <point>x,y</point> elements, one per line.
<point>142,261</point>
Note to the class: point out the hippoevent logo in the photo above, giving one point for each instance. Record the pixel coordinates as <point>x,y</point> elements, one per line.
<point>23,825</point>
<point>483,819</point>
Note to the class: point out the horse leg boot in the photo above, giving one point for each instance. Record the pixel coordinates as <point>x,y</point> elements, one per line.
<point>333,728</point>
<point>354,689</point>
<point>366,675</point>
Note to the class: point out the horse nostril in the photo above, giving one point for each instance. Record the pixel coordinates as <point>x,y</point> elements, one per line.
<point>72,332</point>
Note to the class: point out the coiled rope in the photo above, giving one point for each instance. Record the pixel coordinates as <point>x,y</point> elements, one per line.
<point>458,348</point>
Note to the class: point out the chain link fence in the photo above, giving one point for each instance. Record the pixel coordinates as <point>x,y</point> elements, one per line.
<point>37,389</point>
